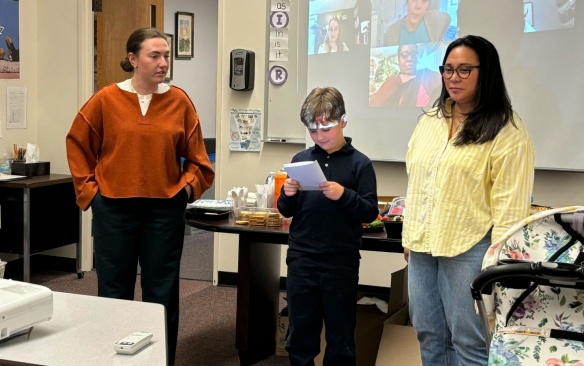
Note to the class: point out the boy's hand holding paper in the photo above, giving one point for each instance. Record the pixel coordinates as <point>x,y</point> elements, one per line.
<point>307,173</point>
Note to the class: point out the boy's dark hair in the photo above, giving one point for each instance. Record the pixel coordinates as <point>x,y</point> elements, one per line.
<point>493,109</point>
<point>321,106</point>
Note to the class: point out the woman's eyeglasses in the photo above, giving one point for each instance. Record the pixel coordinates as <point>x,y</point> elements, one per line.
<point>463,71</point>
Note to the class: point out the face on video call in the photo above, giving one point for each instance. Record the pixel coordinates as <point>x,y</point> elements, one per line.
<point>408,57</point>
<point>333,31</point>
<point>417,9</point>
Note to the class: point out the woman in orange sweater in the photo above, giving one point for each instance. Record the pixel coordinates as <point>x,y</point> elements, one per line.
<point>124,151</point>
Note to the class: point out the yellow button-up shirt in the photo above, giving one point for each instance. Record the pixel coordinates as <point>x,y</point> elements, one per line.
<point>457,193</point>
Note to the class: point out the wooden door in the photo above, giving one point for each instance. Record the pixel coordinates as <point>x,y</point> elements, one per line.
<point>115,22</point>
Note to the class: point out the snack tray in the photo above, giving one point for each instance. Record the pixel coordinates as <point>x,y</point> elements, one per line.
<point>212,205</point>
<point>251,210</point>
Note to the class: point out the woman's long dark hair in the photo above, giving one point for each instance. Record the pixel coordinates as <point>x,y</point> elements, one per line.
<point>492,110</point>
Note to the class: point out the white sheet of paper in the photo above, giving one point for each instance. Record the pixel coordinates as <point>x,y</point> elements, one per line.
<point>308,173</point>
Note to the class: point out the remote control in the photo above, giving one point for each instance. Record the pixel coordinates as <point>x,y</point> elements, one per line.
<point>132,343</point>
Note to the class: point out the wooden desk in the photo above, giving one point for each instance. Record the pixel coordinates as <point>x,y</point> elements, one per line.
<point>38,214</point>
<point>83,331</point>
<point>258,286</point>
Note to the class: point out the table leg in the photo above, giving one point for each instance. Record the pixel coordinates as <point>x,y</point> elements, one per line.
<point>80,246</point>
<point>258,291</point>
<point>26,234</point>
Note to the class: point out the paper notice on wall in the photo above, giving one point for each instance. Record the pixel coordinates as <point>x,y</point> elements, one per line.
<point>279,21</point>
<point>278,55</point>
<point>16,107</point>
<point>245,130</point>
<point>280,5</point>
<point>278,44</point>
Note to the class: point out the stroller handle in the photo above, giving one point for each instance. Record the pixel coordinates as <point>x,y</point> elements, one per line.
<point>542,273</point>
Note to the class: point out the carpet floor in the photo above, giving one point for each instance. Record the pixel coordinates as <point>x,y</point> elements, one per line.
<point>197,257</point>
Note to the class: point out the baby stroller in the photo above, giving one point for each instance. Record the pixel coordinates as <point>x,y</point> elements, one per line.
<point>530,294</point>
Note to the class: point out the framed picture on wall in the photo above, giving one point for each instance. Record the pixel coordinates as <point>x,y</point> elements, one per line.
<point>184,25</point>
<point>170,39</point>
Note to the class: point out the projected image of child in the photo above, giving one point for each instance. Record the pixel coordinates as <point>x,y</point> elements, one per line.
<point>410,87</point>
<point>419,25</point>
<point>332,40</point>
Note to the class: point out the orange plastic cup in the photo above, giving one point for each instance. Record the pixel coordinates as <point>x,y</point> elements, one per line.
<point>279,180</point>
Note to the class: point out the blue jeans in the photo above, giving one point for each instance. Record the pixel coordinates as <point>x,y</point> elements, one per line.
<point>442,308</point>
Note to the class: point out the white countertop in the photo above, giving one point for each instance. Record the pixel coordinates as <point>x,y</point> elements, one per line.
<point>83,330</point>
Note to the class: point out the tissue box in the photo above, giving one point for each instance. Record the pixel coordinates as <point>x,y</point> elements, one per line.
<point>30,169</point>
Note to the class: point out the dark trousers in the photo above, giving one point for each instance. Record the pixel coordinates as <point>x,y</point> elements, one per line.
<point>322,287</point>
<point>148,231</point>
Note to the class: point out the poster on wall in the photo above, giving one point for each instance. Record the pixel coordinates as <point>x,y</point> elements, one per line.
<point>9,40</point>
<point>245,127</point>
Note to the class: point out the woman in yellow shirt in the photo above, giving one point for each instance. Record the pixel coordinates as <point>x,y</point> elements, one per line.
<point>470,165</point>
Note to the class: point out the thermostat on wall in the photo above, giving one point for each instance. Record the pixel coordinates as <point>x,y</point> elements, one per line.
<point>242,69</point>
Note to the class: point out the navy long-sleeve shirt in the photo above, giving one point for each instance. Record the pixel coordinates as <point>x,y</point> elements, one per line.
<point>321,225</point>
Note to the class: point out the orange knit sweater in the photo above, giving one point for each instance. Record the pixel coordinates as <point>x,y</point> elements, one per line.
<point>113,148</point>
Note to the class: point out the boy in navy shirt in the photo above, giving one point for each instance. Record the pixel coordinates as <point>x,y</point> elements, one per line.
<point>325,235</point>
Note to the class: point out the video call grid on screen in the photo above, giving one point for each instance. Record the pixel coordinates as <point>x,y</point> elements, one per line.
<point>380,89</point>
<point>384,16</point>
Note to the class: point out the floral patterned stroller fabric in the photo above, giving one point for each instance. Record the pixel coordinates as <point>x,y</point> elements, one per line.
<point>531,323</point>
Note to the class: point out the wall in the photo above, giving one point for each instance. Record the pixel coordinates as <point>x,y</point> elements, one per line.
<point>196,75</point>
<point>59,66</point>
